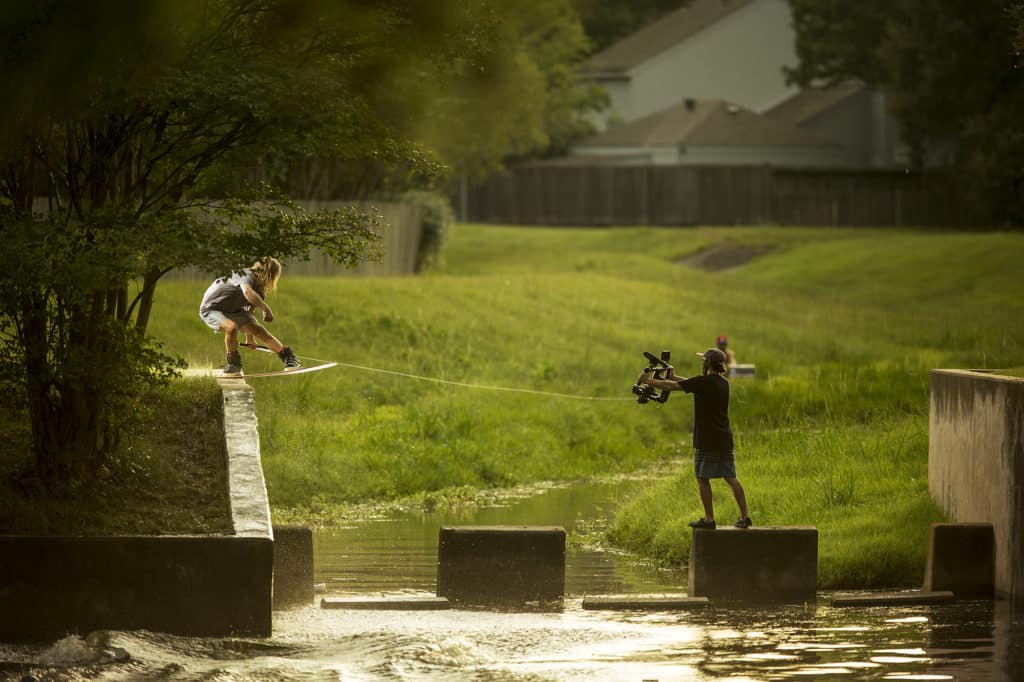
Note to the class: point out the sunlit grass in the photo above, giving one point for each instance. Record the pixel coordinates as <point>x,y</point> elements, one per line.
<point>843,326</point>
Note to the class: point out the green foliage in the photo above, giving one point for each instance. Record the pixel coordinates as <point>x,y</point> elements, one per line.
<point>952,70</point>
<point>438,217</point>
<point>167,475</point>
<point>136,122</point>
<point>524,98</point>
<point>607,21</point>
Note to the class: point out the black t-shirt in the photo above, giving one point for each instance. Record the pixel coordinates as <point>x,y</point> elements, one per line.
<point>710,412</point>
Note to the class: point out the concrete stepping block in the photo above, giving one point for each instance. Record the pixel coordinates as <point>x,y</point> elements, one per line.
<point>914,598</point>
<point>386,603</point>
<point>501,564</point>
<point>961,559</point>
<point>759,564</point>
<point>293,566</point>
<point>640,602</point>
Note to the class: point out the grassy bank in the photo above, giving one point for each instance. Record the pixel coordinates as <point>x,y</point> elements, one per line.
<point>842,324</point>
<point>168,476</point>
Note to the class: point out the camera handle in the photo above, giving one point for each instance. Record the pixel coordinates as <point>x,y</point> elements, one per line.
<point>658,369</point>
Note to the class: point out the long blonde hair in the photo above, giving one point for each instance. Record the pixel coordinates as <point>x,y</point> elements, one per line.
<point>266,271</point>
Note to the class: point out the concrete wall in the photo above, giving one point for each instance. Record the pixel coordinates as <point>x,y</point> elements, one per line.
<point>188,585</point>
<point>401,234</point>
<point>976,462</point>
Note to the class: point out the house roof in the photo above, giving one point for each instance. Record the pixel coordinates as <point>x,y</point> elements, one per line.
<point>705,122</point>
<point>655,38</point>
<point>810,102</point>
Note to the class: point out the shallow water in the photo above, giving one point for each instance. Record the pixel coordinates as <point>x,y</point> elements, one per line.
<point>965,641</point>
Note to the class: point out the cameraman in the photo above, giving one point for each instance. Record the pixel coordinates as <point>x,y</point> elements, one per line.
<point>712,436</point>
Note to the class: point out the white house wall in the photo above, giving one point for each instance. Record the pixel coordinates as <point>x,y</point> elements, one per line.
<point>738,58</point>
<point>862,124</point>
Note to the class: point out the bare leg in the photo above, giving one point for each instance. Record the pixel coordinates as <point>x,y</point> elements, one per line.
<point>230,330</point>
<point>704,486</point>
<point>261,333</point>
<point>741,497</point>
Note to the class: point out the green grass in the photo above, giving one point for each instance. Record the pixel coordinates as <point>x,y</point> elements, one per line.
<point>168,477</point>
<point>843,325</point>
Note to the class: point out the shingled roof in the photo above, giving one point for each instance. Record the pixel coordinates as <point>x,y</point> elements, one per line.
<point>706,122</point>
<point>810,102</point>
<point>655,38</point>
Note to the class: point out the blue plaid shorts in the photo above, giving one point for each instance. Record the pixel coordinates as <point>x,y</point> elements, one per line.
<point>713,464</point>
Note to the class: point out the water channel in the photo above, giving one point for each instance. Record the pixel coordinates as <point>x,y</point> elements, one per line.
<point>396,555</point>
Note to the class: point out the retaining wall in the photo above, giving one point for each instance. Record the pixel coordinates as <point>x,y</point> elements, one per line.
<point>188,585</point>
<point>976,462</point>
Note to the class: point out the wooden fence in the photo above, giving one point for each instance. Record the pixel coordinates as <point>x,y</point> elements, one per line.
<point>403,224</point>
<point>710,195</point>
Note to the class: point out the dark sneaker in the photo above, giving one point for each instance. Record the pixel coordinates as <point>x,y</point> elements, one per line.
<point>289,359</point>
<point>701,523</point>
<point>744,523</point>
<point>234,364</point>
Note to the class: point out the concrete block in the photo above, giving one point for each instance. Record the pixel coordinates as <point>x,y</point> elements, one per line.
<point>766,564</point>
<point>914,598</point>
<point>741,371</point>
<point>961,559</point>
<point>639,602</point>
<point>293,566</point>
<point>501,564</point>
<point>207,586</point>
<point>387,603</point>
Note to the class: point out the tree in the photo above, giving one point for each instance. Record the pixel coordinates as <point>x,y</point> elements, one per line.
<point>525,99</point>
<point>607,21</point>
<point>953,73</point>
<point>135,124</point>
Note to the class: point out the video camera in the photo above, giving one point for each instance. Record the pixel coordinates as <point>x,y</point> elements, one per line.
<point>659,369</point>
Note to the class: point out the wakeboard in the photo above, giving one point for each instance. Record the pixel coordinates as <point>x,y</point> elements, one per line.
<point>280,372</point>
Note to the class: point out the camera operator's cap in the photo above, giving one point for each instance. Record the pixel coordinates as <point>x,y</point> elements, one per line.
<point>721,341</point>
<point>713,355</point>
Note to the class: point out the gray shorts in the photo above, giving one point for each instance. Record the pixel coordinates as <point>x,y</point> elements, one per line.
<point>214,318</point>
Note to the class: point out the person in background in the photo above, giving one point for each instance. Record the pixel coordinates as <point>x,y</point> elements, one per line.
<point>227,307</point>
<point>723,345</point>
<point>712,434</point>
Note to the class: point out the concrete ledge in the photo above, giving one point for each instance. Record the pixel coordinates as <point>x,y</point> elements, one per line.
<point>501,564</point>
<point>894,599</point>
<point>204,586</point>
<point>387,604</point>
<point>189,585</point>
<point>250,509</point>
<point>961,559</point>
<point>742,371</point>
<point>293,566</point>
<point>976,463</point>
<point>760,564</point>
<point>637,602</point>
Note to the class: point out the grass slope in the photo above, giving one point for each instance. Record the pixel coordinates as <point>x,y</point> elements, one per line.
<point>168,476</point>
<point>842,324</point>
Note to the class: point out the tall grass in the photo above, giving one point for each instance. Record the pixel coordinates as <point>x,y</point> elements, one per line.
<point>842,324</point>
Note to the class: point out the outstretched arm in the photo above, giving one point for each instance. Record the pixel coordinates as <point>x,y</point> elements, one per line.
<point>670,384</point>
